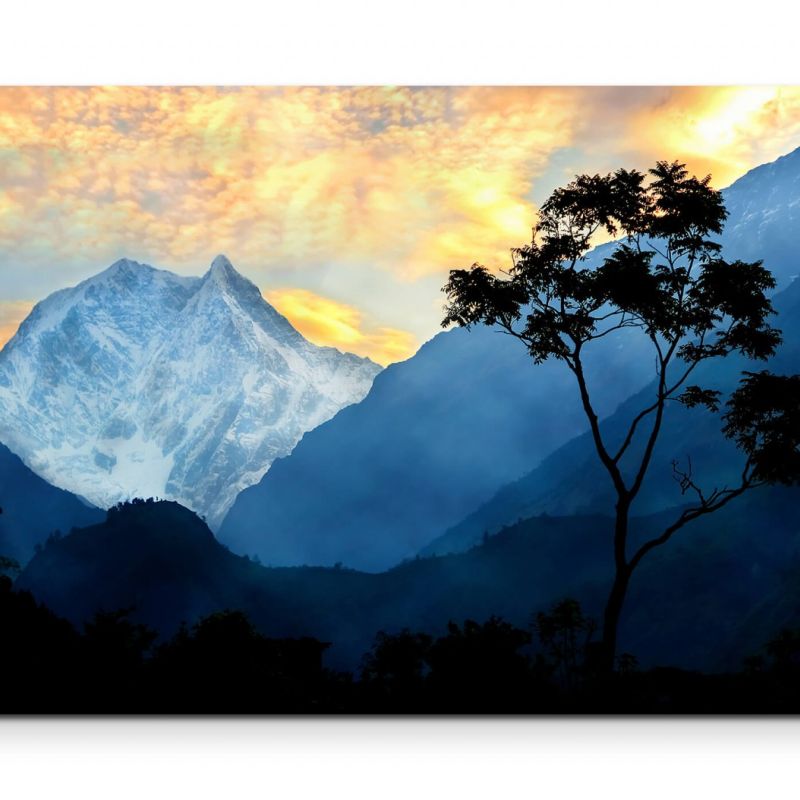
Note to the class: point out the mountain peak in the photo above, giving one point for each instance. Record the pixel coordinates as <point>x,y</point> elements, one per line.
<point>123,267</point>
<point>221,262</point>
<point>223,279</point>
<point>190,387</point>
<point>222,269</point>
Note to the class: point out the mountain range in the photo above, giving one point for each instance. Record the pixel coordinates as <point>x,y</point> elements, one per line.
<point>139,382</point>
<point>440,434</point>
<point>572,481</point>
<point>467,463</point>
<point>436,435</point>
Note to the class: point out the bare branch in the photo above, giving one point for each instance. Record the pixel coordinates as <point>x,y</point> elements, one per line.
<point>632,430</point>
<point>684,480</point>
<point>655,250</point>
<point>656,429</point>
<point>594,424</point>
<point>612,329</point>
<point>708,504</point>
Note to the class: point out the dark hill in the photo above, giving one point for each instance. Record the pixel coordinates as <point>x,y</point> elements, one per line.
<point>698,603</point>
<point>33,509</point>
<point>162,560</point>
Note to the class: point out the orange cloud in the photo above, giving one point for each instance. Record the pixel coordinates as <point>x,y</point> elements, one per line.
<point>720,130</point>
<point>12,313</point>
<point>405,179</point>
<point>328,322</point>
<point>399,181</point>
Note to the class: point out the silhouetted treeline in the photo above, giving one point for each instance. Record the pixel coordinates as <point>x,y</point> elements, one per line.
<point>220,665</point>
<point>737,588</point>
<point>224,665</point>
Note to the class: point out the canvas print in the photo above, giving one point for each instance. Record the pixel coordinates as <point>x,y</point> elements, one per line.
<point>399,400</point>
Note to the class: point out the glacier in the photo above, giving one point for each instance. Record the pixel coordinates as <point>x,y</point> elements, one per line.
<point>142,383</point>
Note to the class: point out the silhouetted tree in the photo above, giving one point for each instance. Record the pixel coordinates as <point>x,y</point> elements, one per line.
<point>666,278</point>
<point>9,565</point>
<point>565,633</point>
<point>784,650</point>
<point>224,664</point>
<point>40,657</point>
<point>393,672</point>
<point>115,649</point>
<point>479,668</point>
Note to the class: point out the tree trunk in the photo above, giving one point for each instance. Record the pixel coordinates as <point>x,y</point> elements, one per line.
<point>616,597</point>
<point>614,604</point>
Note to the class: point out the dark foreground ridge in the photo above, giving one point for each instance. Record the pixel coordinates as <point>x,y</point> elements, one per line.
<point>171,621</point>
<point>223,665</point>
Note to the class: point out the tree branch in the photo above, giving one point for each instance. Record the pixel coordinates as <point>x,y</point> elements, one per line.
<point>632,430</point>
<point>716,500</point>
<point>659,409</point>
<point>611,467</point>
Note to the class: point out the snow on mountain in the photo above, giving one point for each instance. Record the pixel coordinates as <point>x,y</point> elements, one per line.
<point>139,382</point>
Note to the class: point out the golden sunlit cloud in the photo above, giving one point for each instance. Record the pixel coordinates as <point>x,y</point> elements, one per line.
<point>723,131</point>
<point>12,312</point>
<point>405,179</point>
<point>402,182</point>
<point>325,321</point>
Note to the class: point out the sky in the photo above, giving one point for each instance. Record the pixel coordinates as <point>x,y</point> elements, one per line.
<point>346,206</point>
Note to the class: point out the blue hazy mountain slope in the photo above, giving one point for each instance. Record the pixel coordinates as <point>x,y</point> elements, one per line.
<point>764,212</point>
<point>571,480</point>
<point>33,509</point>
<point>764,217</point>
<point>435,436</point>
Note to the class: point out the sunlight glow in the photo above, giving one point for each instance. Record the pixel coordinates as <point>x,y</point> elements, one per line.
<point>327,322</point>
<point>404,182</point>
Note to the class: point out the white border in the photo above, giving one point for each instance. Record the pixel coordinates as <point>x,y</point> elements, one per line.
<point>403,759</point>
<point>417,42</point>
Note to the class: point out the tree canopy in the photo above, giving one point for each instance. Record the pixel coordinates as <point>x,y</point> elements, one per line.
<point>666,277</point>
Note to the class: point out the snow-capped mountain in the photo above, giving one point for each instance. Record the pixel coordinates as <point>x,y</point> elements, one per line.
<point>139,382</point>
